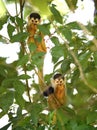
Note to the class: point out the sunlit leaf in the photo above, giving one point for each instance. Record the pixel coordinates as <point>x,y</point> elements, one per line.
<point>10,29</point>
<point>2,9</point>
<point>56,14</point>
<point>44,29</point>
<point>42,6</point>
<point>3,20</point>
<point>71,4</point>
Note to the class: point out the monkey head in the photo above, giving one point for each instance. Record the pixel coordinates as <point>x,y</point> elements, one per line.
<point>34,18</point>
<point>58,79</point>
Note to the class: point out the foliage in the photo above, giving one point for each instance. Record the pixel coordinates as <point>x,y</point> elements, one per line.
<point>75,56</point>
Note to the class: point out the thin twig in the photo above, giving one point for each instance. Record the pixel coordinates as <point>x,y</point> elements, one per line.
<point>87,32</point>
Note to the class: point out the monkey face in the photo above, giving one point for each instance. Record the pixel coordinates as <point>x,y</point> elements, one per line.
<point>59,81</point>
<point>34,18</point>
<point>34,21</point>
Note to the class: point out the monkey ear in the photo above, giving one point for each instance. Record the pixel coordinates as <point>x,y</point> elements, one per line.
<point>28,18</point>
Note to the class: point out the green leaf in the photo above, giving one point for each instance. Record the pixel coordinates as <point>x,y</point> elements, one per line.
<point>24,76</point>
<point>38,38</point>
<point>7,82</point>
<point>65,66</point>
<point>3,71</point>
<point>92,78</point>
<point>20,22</point>
<point>83,58</point>
<point>20,37</point>
<point>57,52</point>
<point>73,25</point>
<point>44,29</point>
<point>3,20</point>
<point>23,60</point>
<point>42,6</point>
<point>56,14</point>
<point>91,117</point>
<point>6,100</point>
<point>71,4</point>
<point>62,119</point>
<point>20,88</point>
<point>57,64</point>
<point>75,76</point>
<point>37,59</point>
<point>36,109</point>
<point>85,127</point>
<point>12,18</point>
<point>10,29</point>
<point>30,67</point>
<point>55,40</point>
<point>19,100</point>
<point>67,33</point>
<point>32,47</point>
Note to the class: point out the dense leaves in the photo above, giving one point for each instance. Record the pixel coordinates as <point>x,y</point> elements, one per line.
<point>73,54</point>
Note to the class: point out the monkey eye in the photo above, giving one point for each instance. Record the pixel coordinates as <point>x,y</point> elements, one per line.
<point>36,21</point>
<point>61,81</point>
<point>57,81</point>
<point>32,19</point>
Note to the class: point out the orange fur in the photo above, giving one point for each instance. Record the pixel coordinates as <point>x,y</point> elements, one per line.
<point>58,98</point>
<point>32,29</point>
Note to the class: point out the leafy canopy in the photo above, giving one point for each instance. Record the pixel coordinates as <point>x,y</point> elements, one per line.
<point>73,54</point>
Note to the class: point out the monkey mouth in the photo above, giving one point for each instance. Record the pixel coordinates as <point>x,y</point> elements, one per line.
<point>60,84</point>
<point>35,23</point>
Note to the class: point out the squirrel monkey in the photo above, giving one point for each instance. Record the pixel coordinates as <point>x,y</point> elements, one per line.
<point>34,20</point>
<point>57,92</point>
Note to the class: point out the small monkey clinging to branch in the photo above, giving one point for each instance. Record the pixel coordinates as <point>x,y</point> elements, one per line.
<point>34,20</point>
<point>57,92</point>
